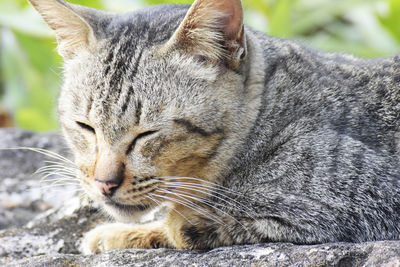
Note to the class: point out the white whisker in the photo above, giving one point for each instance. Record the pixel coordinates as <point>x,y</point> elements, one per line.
<point>61,181</point>
<point>57,166</point>
<point>53,178</point>
<point>181,202</point>
<point>207,183</point>
<point>53,169</point>
<point>195,207</point>
<point>61,167</point>
<point>218,195</point>
<point>159,203</point>
<point>45,152</point>
<point>59,163</point>
<point>208,203</point>
<point>56,176</point>
<point>56,172</point>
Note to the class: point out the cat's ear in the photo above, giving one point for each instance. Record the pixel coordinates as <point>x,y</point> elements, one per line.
<point>213,29</point>
<point>72,31</point>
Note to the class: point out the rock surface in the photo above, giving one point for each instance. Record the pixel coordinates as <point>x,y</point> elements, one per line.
<point>22,193</point>
<point>52,238</point>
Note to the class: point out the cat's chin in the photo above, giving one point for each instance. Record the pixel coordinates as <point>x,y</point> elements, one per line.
<point>126,213</point>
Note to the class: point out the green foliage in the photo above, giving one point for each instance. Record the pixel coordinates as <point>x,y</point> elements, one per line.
<point>279,18</point>
<point>28,80</point>
<point>392,20</point>
<point>90,3</point>
<point>30,67</point>
<point>157,2</point>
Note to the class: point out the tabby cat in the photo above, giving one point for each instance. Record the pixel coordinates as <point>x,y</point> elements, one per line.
<point>246,138</point>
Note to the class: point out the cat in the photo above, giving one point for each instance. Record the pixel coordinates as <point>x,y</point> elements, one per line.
<point>247,138</point>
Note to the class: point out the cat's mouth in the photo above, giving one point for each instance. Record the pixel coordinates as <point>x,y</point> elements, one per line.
<point>127,208</point>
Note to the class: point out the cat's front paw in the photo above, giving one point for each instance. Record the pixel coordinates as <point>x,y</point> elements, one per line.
<point>104,237</point>
<point>121,236</point>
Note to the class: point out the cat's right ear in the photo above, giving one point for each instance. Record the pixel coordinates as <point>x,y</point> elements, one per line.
<point>214,30</point>
<point>72,31</point>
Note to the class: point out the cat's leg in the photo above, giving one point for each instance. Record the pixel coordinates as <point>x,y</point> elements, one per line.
<point>211,229</point>
<point>182,229</point>
<point>188,229</point>
<point>121,236</point>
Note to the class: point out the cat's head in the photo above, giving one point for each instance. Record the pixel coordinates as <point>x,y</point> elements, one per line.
<point>150,97</point>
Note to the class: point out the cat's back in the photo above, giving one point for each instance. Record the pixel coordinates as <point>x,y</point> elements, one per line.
<point>318,90</point>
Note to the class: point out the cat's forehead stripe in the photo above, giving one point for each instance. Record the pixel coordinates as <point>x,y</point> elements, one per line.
<point>126,37</point>
<point>119,68</point>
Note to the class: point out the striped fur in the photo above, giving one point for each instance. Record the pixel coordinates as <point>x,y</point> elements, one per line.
<point>246,137</point>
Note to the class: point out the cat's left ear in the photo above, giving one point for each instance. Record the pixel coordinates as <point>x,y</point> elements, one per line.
<point>213,29</point>
<point>70,24</point>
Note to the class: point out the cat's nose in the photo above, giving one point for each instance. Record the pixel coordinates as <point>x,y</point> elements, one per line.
<point>109,172</point>
<point>108,187</point>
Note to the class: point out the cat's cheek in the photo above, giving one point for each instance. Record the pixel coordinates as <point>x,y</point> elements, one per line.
<point>86,182</point>
<point>189,158</point>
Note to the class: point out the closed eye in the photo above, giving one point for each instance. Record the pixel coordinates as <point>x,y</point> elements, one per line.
<point>142,135</point>
<point>86,127</point>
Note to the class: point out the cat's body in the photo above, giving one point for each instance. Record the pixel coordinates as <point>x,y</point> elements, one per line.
<point>325,151</point>
<point>250,138</point>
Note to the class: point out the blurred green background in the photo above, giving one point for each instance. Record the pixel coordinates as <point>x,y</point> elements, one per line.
<point>30,68</point>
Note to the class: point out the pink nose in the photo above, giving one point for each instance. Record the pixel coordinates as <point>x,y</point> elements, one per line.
<point>106,188</point>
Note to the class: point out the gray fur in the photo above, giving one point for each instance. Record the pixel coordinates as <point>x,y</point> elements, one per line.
<point>313,154</point>
<point>326,148</point>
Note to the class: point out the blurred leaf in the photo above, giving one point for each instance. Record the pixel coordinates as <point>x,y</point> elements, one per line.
<point>90,3</point>
<point>332,43</point>
<point>311,16</point>
<point>26,20</point>
<point>27,87</point>
<point>33,119</point>
<point>262,6</point>
<point>157,2</point>
<point>40,51</point>
<point>22,3</point>
<point>280,19</point>
<point>392,20</point>
<point>122,6</point>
